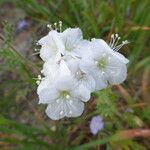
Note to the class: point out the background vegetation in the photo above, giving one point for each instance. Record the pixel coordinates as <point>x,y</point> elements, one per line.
<point>125,108</point>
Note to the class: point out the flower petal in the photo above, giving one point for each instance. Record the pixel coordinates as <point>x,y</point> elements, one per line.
<point>75,108</point>
<point>51,69</point>
<point>55,111</point>
<point>51,45</point>
<point>116,72</point>
<point>66,83</point>
<point>43,84</point>
<point>81,93</point>
<point>48,95</point>
<point>71,38</point>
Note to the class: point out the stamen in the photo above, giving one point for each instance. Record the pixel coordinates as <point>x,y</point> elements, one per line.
<point>35,49</point>
<point>37,82</point>
<point>49,26</point>
<point>35,53</point>
<point>42,71</point>
<point>55,25</point>
<point>39,77</point>
<point>114,41</point>
<point>37,44</point>
<point>60,26</point>
<point>121,45</point>
<point>67,96</point>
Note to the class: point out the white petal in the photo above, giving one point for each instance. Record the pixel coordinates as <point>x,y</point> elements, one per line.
<point>47,91</point>
<point>71,38</point>
<point>121,57</point>
<point>46,53</point>
<point>43,84</point>
<point>74,108</point>
<point>100,81</point>
<point>55,110</point>
<point>89,82</point>
<point>88,66</point>
<point>73,64</point>
<point>51,45</point>
<point>51,69</point>
<point>48,95</point>
<point>99,48</point>
<point>64,70</point>
<point>116,72</point>
<point>81,93</point>
<point>66,83</point>
<point>83,49</point>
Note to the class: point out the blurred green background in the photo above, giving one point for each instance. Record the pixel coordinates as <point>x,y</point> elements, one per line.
<point>125,108</point>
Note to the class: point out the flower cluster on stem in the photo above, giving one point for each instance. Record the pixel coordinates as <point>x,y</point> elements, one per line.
<point>74,68</point>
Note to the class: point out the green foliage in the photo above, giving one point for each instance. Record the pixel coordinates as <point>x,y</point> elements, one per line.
<point>106,103</point>
<point>146,113</point>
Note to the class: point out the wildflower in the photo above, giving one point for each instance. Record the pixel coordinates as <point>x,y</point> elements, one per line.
<point>96,124</point>
<point>22,24</point>
<point>72,39</point>
<point>51,45</point>
<point>73,68</point>
<point>83,79</point>
<point>63,98</point>
<point>60,43</point>
<point>53,68</point>
<point>105,64</point>
<point>59,89</point>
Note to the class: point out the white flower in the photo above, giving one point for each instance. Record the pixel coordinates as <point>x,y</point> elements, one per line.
<point>83,79</point>
<point>54,69</point>
<point>51,45</point>
<point>74,67</point>
<point>63,43</point>
<point>72,38</point>
<point>63,97</point>
<point>105,64</point>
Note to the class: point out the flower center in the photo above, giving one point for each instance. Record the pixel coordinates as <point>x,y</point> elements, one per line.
<point>64,94</point>
<point>79,74</point>
<point>101,63</point>
<point>68,49</point>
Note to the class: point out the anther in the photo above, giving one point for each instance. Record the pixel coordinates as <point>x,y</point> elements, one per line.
<point>49,26</point>
<point>42,71</point>
<point>67,96</point>
<point>37,82</point>
<point>55,25</point>
<point>39,77</point>
<point>60,26</point>
<point>112,36</point>
<point>116,35</point>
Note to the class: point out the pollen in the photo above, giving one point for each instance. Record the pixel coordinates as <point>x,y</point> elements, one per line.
<point>65,94</point>
<point>101,63</point>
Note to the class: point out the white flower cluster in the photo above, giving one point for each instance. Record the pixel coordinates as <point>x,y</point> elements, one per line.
<point>74,68</point>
